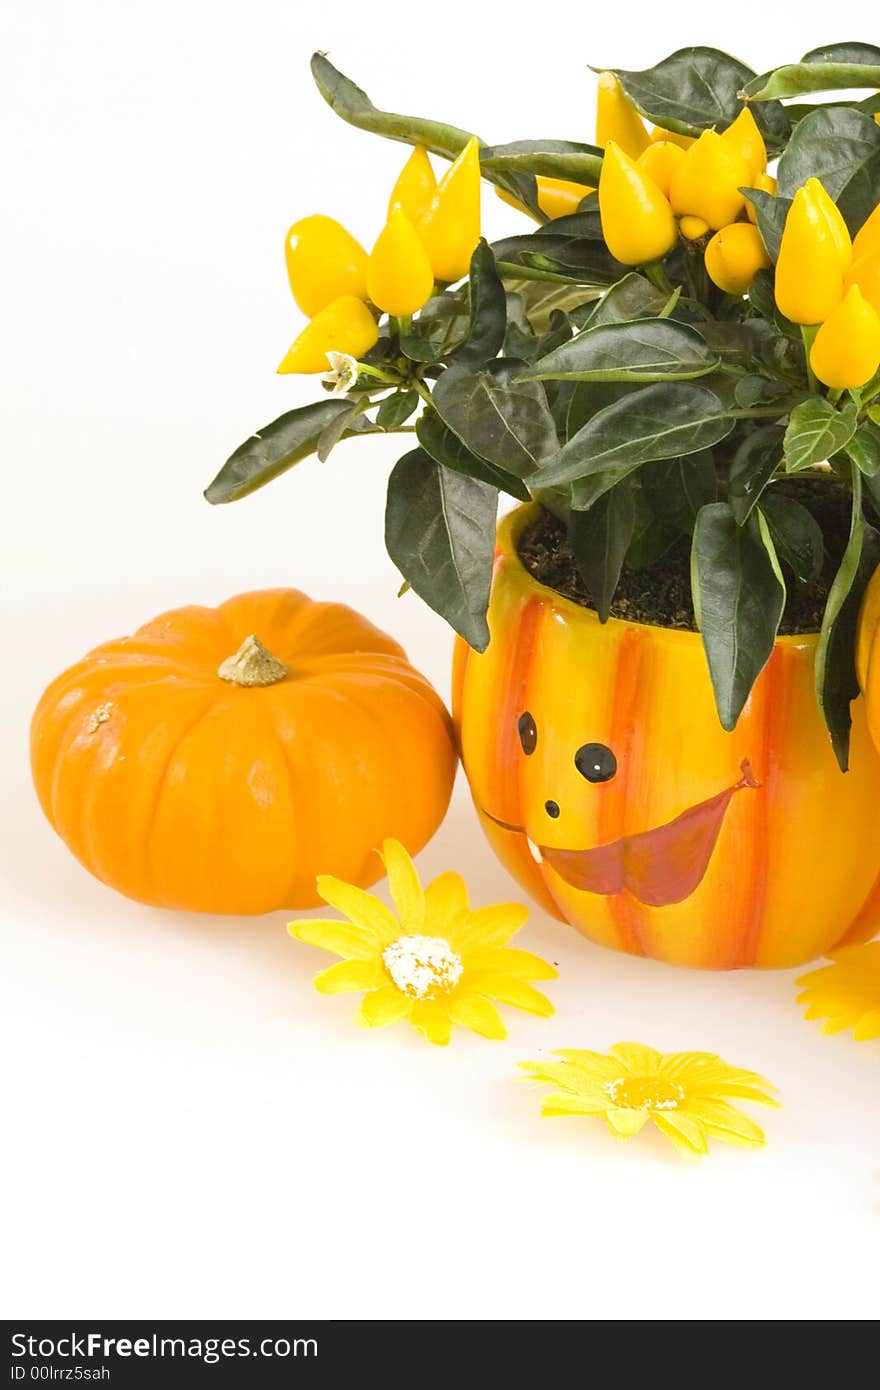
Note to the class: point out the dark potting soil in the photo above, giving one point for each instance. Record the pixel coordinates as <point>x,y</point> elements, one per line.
<point>661,594</point>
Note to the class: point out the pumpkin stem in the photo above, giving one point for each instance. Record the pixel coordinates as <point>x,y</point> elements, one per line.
<point>252,664</point>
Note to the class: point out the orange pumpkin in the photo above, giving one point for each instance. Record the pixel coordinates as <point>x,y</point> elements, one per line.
<point>652,830</point>
<point>221,758</point>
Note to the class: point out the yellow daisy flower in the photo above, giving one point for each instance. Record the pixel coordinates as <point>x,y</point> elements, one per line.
<point>686,1094</point>
<point>846,994</point>
<point>438,962</point>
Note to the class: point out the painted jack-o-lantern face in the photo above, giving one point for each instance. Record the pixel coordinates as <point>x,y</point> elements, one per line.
<point>658,866</point>
<point>607,786</point>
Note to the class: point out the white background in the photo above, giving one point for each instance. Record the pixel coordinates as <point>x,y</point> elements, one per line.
<point>189,1129</point>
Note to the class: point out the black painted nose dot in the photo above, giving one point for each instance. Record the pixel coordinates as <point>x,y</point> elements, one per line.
<point>552,808</point>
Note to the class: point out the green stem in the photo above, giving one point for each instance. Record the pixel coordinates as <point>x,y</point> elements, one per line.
<point>834,395</point>
<point>808,333</point>
<point>422,390</point>
<point>658,277</point>
<point>402,325</point>
<point>387,378</point>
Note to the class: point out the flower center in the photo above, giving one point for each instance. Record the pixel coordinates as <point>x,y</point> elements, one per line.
<point>422,966</point>
<point>644,1093</point>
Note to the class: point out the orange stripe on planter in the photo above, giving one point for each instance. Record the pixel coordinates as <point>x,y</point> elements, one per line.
<point>625,911</point>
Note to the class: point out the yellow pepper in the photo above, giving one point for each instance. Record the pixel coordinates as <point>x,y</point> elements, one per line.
<point>692,228</point>
<point>450,229</point>
<point>415,187</point>
<point>846,349</point>
<point>836,225</point>
<point>637,221</point>
<point>323,262</point>
<point>745,136</point>
<point>708,182</point>
<point>809,276</point>
<point>683,141</point>
<point>661,162</point>
<point>767,184</point>
<point>617,119</point>
<point>734,256</point>
<point>559,197</point>
<point>399,275</point>
<point>867,238</point>
<point>345,325</point>
<point>866,274</point>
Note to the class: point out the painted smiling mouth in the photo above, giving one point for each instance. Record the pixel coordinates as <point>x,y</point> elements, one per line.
<point>660,866</point>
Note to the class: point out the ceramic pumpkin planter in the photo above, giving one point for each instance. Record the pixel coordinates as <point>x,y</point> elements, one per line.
<point>652,830</point>
<point>196,767</point>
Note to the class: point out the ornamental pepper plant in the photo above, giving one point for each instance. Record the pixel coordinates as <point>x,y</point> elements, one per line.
<point>675,354</point>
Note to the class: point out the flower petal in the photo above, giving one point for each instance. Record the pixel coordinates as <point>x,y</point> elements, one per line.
<point>493,984</point>
<point>406,890</point>
<point>523,964</point>
<point>868,1027</point>
<point>363,908</point>
<point>385,1005</point>
<point>478,1014</point>
<point>489,926</point>
<point>348,975</point>
<point>571,1078</point>
<point>624,1122</point>
<point>637,1058</point>
<point>723,1121</point>
<point>342,938</point>
<point>433,1021</point>
<point>564,1103</point>
<point>599,1067</point>
<point>446,899</point>
<point>687,1135</point>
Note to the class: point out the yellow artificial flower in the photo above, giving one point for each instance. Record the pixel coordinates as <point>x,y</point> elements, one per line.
<point>846,993</point>
<point>437,962</point>
<point>686,1094</point>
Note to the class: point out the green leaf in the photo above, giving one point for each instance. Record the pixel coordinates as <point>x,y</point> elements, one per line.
<point>699,89</point>
<point>843,53</point>
<point>633,297</point>
<point>796,79</point>
<point>644,350</point>
<point>841,147</point>
<point>355,107</point>
<point>836,682</point>
<point>498,417</point>
<point>651,537</point>
<point>395,410</point>
<point>816,431</point>
<point>752,467</point>
<point>739,596</point>
<point>274,449</point>
<point>419,349</point>
<point>656,422</point>
<point>599,540</point>
<point>796,534</point>
<point>488,311</point>
<point>440,533</point>
<point>759,390</point>
<point>677,489</point>
<point>446,448</point>
<point>559,159</point>
<point>864,448</point>
<point>771,211</point>
<point>557,252</point>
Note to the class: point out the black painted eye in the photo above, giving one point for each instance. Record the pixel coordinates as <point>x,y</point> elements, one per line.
<point>595,762</point>
<point>528,733</point>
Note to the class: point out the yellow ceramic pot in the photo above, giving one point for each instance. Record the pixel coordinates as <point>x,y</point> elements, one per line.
<point>609,789</point>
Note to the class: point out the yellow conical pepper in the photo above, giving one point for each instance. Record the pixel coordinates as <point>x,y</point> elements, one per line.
<point>684,141</point>
<point>836,225</point>
<point>559,197</point>
<point>450,229</point>
<point>734,256</point>
<point>767,184</point>
<point>637,221</point>
<point>415,187</point>
<point>399,275</point>
<point>866,274</point>
<point>867,238</point>
<point>692,228</point>
<point>809,276</point>
<point>323,262</point>
<point>846,350</point>
<point>745,136</point>
<point>617,119</point>
<point>661,162</point>
<point>345,325</point>
<point>708,182</point>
